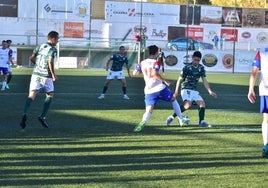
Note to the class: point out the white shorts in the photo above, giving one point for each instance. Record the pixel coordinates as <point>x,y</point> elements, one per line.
<point>115,74</point>
<point>190,95</point>
<point>41,83</point>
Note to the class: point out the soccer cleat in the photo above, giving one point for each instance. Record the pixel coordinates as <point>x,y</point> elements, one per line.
<point>7,86</point>
<point>43,121</point>
<point>169,120</point>
<point>125,97</point>
<point>183,122</point>
<point>265,151</point>
<point>23,121</point>
<point>140,126</point>
<point>102,96</point>
<point>204,124</point>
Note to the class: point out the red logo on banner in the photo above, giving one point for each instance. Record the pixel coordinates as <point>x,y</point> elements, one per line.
<point>74,29</point>
<point>131,12</point>
<point>229,34</point>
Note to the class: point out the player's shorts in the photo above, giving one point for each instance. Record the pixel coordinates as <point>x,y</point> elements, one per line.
<point>39,83</point>
<point>190,95</point>
<point>115,74</point>
<point>264,104</point>
<point>4,70</point>
<point>152,98</point>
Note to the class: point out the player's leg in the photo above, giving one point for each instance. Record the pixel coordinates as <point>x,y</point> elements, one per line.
<point>49,89</point>
<point>4,82</point>
<point>121,77</point>
<point>109,78</point>
<point>264,111</point>
<point>27,105</point>
<point>150,101</point>
<point>265,135</point>
<point>186,98</point>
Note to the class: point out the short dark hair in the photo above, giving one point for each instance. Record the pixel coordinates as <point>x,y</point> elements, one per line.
<point>53,34</point>
<point>197,54</point>
<point>121,47</point>
<point>9,41</point>
<point>153,49</point>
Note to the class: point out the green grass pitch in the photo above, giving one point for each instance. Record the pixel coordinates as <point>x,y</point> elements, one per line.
<point>91,143</point>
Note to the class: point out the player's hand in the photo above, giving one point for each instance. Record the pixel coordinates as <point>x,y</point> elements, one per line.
<point>252,97</point>
<point>167,83</point>
<point>213,94</point>
<point>55,78</point>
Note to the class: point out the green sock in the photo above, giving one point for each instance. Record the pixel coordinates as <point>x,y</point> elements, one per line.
<point>27,105</point>
<point>201,114</point>
<point>47,102</point>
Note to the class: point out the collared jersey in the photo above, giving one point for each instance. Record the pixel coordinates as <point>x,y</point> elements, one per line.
<point>43,54</point>
<point>118,62</point>
<point>261,61</point>
<point>191,75</point>
<point>152,85</point>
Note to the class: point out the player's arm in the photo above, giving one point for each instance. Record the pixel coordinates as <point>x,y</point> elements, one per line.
<point>108,64</point>
<point>206,84</point>
<point>178,85</point>
<point>137,70</point>
<point>252,81</point>
<point>10,54</point>
<point>155,74</point>
<point>51,68</point>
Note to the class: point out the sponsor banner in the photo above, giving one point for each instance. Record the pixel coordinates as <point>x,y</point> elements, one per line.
<point>67,62</point>
<point>216,60</point>
<point>195,33</point>
<point>232,17</point>
<point>64,9</point>
<point>73,29</point>
<point>145,12</point>
<point>211,15</point>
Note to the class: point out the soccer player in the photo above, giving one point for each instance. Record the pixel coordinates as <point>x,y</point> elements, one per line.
<point>5,58</point>
<point>116,71</point>
<point>43,77</point>
<point>9,76</point>
<point>156,87</point>
<point>187,82</point>
<point>260,63</point>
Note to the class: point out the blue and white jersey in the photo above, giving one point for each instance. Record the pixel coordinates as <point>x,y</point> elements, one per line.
<point>261,61</point>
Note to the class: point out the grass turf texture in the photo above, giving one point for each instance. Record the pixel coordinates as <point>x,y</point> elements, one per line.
<point>90,142</point>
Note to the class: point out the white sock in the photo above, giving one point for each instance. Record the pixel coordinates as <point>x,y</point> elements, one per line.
<point>177,108</point>
<point>264,129</point>
<point>146,116</point>
<point>4,83</point>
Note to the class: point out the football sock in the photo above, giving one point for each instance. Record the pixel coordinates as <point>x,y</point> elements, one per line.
<point>27,105</point>
<point>265,133</point>
<point>176,108</point>
<point>182,110</point>
<point>46,105</point>
<point>104,89</point>
<point>201,114</point>
<point>4,83</point>
<point>9,78</point>
<point>124,89</point>
<point>146,116</point>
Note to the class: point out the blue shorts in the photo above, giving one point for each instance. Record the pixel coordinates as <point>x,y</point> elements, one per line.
<point>4,70</point>
<point>152,98</point>
<point>264,104</point>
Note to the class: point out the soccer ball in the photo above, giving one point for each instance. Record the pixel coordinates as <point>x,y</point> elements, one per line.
<point>186,119</point>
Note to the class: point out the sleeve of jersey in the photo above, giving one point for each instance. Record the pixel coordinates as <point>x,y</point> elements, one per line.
<point>138,67</point>
<point>257,60</point>
<point>157,65</point>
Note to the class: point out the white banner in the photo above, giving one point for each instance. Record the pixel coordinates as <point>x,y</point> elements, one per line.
<point>145,12</point>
